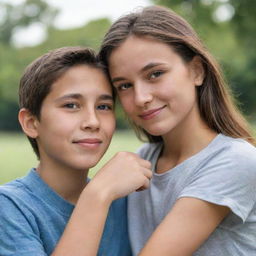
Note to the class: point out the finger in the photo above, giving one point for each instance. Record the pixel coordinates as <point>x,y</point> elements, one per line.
<point>145,163</point>
<point>148,173</point>
<point>145,185</point>
<point>140,189</point>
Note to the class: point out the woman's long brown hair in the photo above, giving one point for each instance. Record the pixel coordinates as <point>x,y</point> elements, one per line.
<point>215,100</point>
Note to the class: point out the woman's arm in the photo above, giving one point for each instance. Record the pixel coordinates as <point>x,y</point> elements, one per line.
<point>123,174</point>
<point>85,227</point>
<point>185,228</point>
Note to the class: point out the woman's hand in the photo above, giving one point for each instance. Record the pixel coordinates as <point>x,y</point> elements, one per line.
<point>125,173</point>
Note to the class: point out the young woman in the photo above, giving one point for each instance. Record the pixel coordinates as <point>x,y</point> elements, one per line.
<point>203,192</point>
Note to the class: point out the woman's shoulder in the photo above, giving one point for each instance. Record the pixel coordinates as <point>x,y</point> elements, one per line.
<point>228,157</point>
<point>238,150</point>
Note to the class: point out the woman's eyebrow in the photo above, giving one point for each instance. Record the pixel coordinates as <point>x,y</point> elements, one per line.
<point>117,79</point>
<point>145,68</point>
<point>106,97</point>
<point>151,65</point>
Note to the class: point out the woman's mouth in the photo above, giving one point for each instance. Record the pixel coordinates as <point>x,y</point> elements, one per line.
<point>149,114</point>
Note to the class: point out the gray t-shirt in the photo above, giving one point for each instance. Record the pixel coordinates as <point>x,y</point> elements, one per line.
<point>223,173</point>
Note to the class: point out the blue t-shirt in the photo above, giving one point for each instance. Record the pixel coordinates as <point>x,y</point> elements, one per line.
<point>33,218</point>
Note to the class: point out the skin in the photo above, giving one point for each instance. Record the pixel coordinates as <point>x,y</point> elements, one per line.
<point>74,130</point>
<point>70,117</point>
<point>157,90</point>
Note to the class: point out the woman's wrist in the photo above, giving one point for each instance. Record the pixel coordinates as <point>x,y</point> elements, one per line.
<point>97,193</point>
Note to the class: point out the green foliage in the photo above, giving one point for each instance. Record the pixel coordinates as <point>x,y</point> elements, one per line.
<point>8,113</point>
<point>23,15</point>
<point>89,35</point>
<point>243,78</point>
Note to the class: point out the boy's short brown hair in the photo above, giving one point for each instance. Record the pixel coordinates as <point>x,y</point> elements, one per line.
<point>36,82</point>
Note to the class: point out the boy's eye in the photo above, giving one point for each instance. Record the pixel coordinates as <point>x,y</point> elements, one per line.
<point>155,74</point>
<point>122,87</point>
<point>71,105</point>
<point>105,107</point>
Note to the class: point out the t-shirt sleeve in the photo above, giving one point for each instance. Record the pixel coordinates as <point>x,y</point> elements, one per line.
<point>17,236</point>
<point>227,181</point>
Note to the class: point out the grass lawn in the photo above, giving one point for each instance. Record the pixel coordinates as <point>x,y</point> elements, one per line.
<point>17,157</point>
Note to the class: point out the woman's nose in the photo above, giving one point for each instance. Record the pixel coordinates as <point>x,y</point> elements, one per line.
<point>142,95</point>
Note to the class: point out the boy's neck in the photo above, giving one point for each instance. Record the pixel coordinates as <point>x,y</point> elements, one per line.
<point>67,183</point>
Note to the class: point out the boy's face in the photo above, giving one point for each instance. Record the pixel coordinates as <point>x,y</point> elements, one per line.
<point>77,120</point>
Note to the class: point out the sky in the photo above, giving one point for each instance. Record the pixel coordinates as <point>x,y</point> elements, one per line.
<point>75,13</point>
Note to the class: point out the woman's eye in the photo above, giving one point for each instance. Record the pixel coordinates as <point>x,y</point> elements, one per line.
<point>155,74</point>
<point>123,87</point>
<point>71,105</point>
<point>104,107</point>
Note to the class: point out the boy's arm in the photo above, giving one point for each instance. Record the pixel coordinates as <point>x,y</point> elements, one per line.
<point>123,174</point>
<point>185,228</point>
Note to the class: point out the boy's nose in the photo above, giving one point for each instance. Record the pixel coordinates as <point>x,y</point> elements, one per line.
<point>90,121</point>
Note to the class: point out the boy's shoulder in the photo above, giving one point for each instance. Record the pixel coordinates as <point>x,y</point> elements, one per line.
<point>13,188</point>
<point>15,201</point>
<point>20,192</point>
<point>15,193</point>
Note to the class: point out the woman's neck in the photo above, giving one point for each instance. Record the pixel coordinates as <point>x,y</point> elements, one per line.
<point>183,142</point>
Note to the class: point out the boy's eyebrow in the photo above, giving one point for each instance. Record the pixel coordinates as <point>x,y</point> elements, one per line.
<point>79,96</point>
<point>68,96</point>
<point>145,68</point>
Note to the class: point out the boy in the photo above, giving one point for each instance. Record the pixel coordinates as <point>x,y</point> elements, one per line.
<point>67,114</point>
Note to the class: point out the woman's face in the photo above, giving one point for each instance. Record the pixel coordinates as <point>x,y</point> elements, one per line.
<point>157,89</point>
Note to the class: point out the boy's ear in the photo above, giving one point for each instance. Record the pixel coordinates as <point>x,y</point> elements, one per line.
<point>28,122</point>
<point>198,70</point>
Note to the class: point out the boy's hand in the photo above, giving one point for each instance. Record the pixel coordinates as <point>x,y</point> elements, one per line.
<point>125,173</point>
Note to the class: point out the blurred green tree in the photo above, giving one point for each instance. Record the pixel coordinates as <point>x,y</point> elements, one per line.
<point>23,15</point>
<point>244,77</point>
<point>14,17</point>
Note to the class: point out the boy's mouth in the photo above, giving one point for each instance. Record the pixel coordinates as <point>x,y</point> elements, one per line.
<point>88,142</point>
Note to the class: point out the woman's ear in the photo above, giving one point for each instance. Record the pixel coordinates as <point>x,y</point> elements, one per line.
<point>28,122</point>
<point>198,70</point>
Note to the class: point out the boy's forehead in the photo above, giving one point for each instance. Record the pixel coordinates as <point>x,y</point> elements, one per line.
<point>81,81</point>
